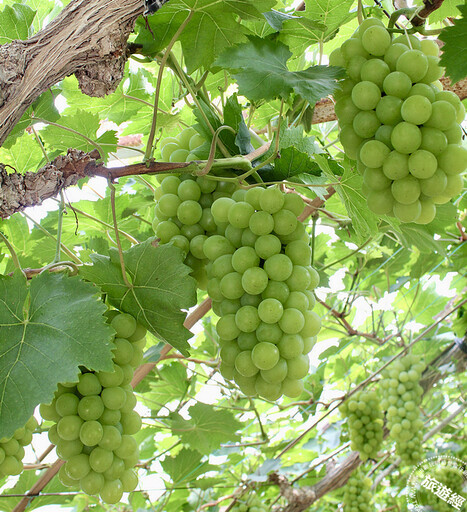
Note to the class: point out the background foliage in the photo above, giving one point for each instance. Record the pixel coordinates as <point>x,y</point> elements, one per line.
<point>384,286</point>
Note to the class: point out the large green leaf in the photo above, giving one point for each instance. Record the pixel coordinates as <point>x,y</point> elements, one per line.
<point>260,68</point>
<point>185,466</point>
<point>48,328</point>
<point>214,25</point>
<point>207,429</point>
<point>455,47</point>
<point>318,23</point>
<point>15,22</point>
<point>161,288</point>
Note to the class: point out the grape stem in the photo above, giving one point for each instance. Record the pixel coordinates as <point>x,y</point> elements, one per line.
<point>14,256</point>
<point>212,150</point>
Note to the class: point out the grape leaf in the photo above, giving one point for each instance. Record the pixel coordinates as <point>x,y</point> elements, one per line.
<point>161,288</point>
<point>24,155</point>
<point>319,22</point>
<point>455,47</point>
<point>186,466</point>
<point>78,131</point>
<point>206,429</point>
<point>47,329</point>
<point>233,117</point>
<point>260,68</point>
<point>213,26</point>
<point>15,21</point>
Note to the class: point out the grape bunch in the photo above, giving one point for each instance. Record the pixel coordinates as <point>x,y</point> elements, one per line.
<point>398,123</point>
<point>94,420</point>
<point>402,398</point>
<point>12,448</point>
<point>183,215</point>
<point>253,504</point>
<point>357,494</point>
<point>261,284</point>
<point>365,423</point>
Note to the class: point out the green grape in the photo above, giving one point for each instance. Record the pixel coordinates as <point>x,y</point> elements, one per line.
<point>397,84</point>
<point>266,246</point>
<point>216,246</point>
<point>354,67</point>
<point>278,267</point>
<point>410,41</point>
<point>189,212</point>
<point>443,115</point>
<point>380,202</point>
<point>246,341</point>
<point>220,209</point>
<point>297,367</point>
<point>245,257</point>
<point>244,364</point>
<point>179,155</point>
<point>78,466</point>
<point>188,190</point>
<point>454,185</point>
<point>416,109</point>
<point>253,195</point>
<point>393,53</point>
<point>166,230</point>
<point>265,355</point>
<point>68,427</point>
<point>434,71</point>
<point>353,47</point>
<point>299,252</point>
<point>298,300</point>
<point>261,223</point>
<point>67,404</point>
<point>124,325</point>
<point>453,135</point>
<point>366,95</point>
<point>285,222</point>
<point>254,280</point>
<point>66,449</point>
<point>290,346</point>
<point>91,433</point>
<point>407,212</point>
<point>110,417</point>
<point>227,328</point>
<point>267,390</point>
<point>113,398</point>
<point>123,352</point>
<point>366,123</point>
<point>231,285</point>
<point>92,483</point>
<point>129,480</point>
<point>429,47</point>
<point>127,448</point>
<point>48,412</point>
<point>112,378</point>
<point>277,373</point>
<point>373,153</point>
<point>292,388</point>
<point>376,179</point>
<point>270,310</point>
<point>388,110</point>
<point>312,324</point>
<point>396,165</point>
<point>427,213</point>
<point>453,160</point>
<point>294,203</point>
<point>270,333</point>
<point>383,134</point>
<point>350,140</point>
<point>346,110</point>
<point>239,214</point>
<point>131,422</point>
<point>336,58</point>
<point>247,319</point>
<point>423,90</point>
<point>406,137</point>
<point>271,200</point>
<point>433,140</point>
<point>413,63</point>
<point>112,491</point>
<point>422,164</point>
<point>90,408</point>
<point>374,70</point>
<point>406,190</point>
<point>292,321</point>
<point>376,40</point>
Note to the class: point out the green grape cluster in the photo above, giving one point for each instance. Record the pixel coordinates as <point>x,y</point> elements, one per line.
<point>357,494</point>
<point>12,448</point>
<point>183,211</point>
<point>261,284</point>
<point>365,423</point>
<point>452,479</point>
<point>94,420</point>
<point>402,398</point>
<point>398,123</point>
<point>253,504</point>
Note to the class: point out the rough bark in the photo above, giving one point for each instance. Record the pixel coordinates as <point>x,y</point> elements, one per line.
<point>88,38</point>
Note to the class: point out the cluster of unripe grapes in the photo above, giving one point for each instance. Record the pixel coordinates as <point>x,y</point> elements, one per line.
<point>365,423</point>
<point>12,449</point>
<point>183,211</point>
<point>261,283</point>
<point>398,123</point>
<point>357,494</point>
<point>402,398</point>
<point>253,504</point>
<point>94,420</point>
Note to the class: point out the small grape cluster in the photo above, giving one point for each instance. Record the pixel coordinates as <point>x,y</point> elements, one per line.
<point>183,215</point>
<point>12,448</point>
<point>95,421</point>
<point>357,494</point>
<point>365,423</point>
<point>261,284</point>
<point>253,504</point>
<point>398,123</point>
<point>400,384</point>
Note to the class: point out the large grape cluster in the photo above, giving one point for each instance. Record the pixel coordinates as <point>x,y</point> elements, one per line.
<point>365,423</point>
<point>398,123</point>
<point>252,504</point>
<point>95,421</point>
<point>12,449</point>
<point>402,397</point>
<point>183,215</point>
<point>357,494</point>
<point>261,283</point>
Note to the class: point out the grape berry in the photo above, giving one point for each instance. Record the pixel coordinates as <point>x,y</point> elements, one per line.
<point>12,449</point>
